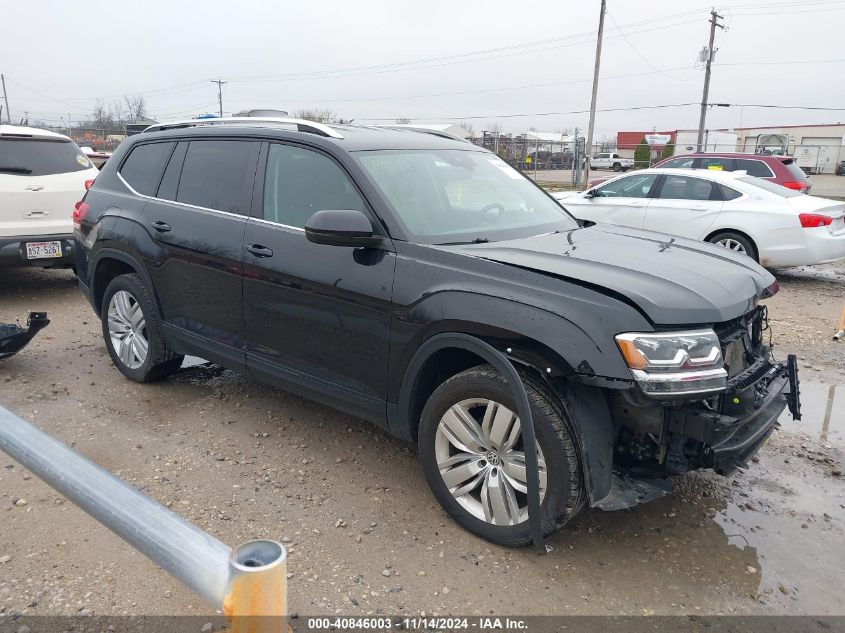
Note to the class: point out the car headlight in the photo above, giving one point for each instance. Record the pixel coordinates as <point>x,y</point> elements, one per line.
<point>674,363</point>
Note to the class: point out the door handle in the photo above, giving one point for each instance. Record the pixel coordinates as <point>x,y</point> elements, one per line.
<point>161,227</point>
<point>259,251</point>
<point>699,208</point>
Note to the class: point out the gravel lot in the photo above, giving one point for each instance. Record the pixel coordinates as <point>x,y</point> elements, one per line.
<point>243,461</point>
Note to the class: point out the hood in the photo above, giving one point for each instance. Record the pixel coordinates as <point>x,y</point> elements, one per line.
<point>672,280</point>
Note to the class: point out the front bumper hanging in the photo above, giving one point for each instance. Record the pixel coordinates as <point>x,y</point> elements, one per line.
<point>13,337</point>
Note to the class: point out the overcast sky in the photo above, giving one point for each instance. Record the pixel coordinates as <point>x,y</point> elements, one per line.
<point>353,58</point>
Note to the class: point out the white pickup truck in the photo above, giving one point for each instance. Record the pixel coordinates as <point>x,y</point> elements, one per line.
<point>610,160</point>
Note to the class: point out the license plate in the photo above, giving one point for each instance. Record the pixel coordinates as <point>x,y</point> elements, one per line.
<point>43,250</point>
<point>837,227</point>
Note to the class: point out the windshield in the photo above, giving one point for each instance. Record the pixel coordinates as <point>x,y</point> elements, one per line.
<point>40,157</point>
<point>454,196</point>
<point>770,187</point>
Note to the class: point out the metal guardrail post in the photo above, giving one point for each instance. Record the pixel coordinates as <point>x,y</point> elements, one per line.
<point>250,580</point>
<point>840,327</point>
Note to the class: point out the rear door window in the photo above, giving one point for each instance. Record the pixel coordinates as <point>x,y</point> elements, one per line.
<point>40,157</point>
<point>754,167</point>
<point>143,167</point>
<point>722,164</point>
<point>688,188</point>
<point>219,175</point>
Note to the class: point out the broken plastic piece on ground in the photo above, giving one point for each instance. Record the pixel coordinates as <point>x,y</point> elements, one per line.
<point>13,337</point>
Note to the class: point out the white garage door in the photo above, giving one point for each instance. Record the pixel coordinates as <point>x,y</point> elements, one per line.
<point>828,151</point>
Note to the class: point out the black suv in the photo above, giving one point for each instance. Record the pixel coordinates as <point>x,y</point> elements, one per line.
<point>370,268</point>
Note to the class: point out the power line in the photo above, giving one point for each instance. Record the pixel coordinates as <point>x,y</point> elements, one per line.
<point>637,51</point>
<point>509,116</point>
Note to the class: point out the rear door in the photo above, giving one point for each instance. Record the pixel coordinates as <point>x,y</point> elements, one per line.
<point>40,181</point>
<point>192,243</point>
<point>684,205</point>
<point>621,201</point>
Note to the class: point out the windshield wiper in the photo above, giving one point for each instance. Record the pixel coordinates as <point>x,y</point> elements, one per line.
<point>477,240</point>
<point>15,170</point>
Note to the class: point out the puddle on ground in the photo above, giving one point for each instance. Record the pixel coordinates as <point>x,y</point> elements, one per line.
<point>822,412</point>
<point>789,509</point>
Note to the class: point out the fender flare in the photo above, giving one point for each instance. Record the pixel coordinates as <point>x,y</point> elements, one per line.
<point>585,406</point>
<point>126,258</point>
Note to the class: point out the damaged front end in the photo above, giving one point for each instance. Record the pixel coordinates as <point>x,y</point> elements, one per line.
<point>14,337</point>
<point>662,434</point>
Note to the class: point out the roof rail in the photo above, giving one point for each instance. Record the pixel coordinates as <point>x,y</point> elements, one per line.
<point>301,124</point>
<point>423,130</point>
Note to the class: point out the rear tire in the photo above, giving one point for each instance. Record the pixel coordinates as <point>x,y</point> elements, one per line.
<point>493,465</point>
<point>132,331</point>
<point>735,242</point>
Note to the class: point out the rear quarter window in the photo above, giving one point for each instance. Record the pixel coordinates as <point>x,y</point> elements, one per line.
<point>144,166</point>
<point>728,193</point>
<point>41,157</point>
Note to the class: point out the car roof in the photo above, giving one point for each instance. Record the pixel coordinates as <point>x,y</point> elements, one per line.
<point>717,175</point>
<point>730,155</point>
<point>18,131</point>
<point>348,137</point>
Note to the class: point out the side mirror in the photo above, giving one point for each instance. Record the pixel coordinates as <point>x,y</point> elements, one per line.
<point>590,193</point>
<point>341,227</point>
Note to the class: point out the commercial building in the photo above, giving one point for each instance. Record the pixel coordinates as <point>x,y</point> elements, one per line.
<point>817,148</point>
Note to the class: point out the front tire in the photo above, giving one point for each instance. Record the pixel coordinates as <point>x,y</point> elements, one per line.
<point>132,331</point>
<point>473,457</point>
<point>735,242</point>
<point>617,167</point>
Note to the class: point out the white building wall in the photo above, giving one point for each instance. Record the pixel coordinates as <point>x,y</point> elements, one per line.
<point>829,139</point>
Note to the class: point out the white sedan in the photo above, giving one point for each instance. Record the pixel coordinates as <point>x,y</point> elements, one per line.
<point>774,225</point>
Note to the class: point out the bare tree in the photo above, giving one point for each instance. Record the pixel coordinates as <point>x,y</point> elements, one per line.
<point>403,121</point>
<point>468,126</point>
<point>136,107</point>
<point>494,127</point>
<point>318,116</point>
<point>101,117</point>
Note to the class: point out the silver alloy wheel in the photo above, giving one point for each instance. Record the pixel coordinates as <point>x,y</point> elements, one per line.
<point>732,244</point>
<point>128,329</point>
<point>479,450</point>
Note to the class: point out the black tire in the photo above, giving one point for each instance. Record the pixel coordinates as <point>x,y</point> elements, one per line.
<point>160,360</point>
<point>564,496</point>
<point>748,245</point>
<point>617,166</point>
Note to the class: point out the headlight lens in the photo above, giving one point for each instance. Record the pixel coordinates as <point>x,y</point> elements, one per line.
<point>674,363</point>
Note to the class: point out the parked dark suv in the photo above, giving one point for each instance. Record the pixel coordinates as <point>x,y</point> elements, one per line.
<point>369,268</point>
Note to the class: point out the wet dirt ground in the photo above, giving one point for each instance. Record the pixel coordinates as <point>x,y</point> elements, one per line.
<point>244,461</point>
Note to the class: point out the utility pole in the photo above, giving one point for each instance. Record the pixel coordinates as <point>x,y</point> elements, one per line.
<point>588,148</point>
<point>219,93</point>
<point>6,99</point>
<point>714,22</point>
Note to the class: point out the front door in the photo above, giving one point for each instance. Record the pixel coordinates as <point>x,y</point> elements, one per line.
<point>622,201</point>
<point>317,317</point>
